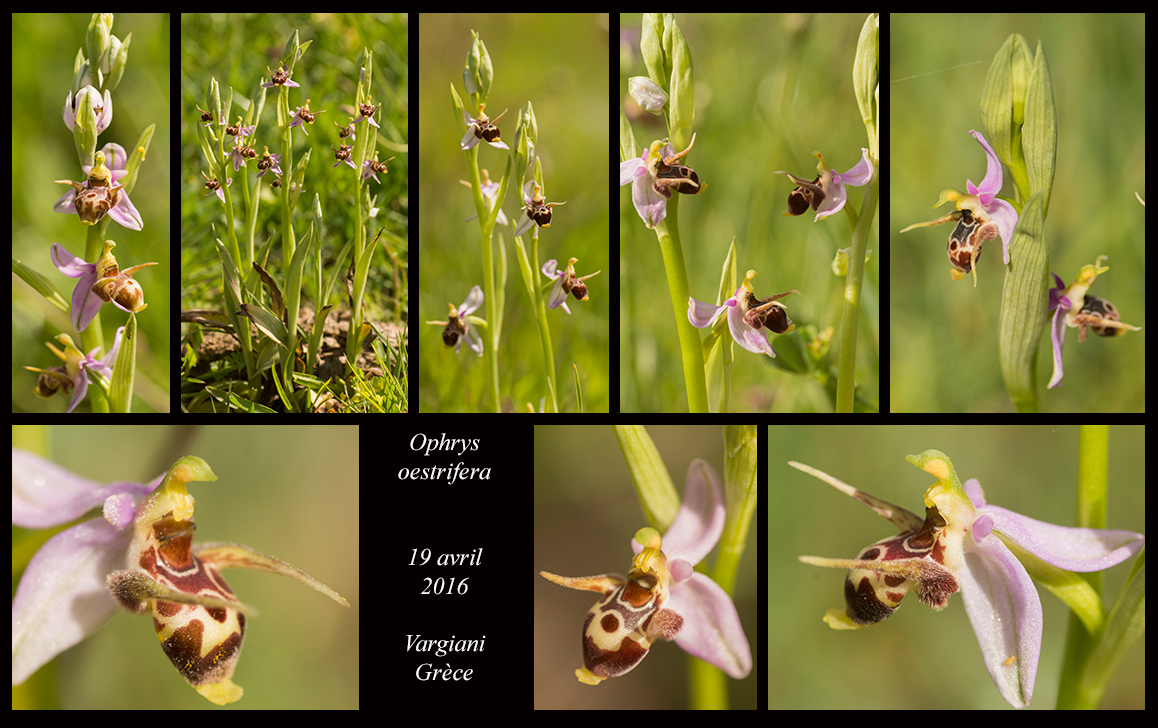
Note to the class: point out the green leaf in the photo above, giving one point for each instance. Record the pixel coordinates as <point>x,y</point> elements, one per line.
<point>40,284</point>
<point>1039,136</point>
<point>1023,304</point>
<point>121,389</point>
<point>653,484</point>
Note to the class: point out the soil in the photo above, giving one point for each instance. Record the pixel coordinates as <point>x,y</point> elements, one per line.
<point>331,361</point>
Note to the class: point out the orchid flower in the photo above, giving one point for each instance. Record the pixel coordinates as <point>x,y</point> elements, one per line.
<point>826,194</point>
<point>566,282</point>
<point>73,374</point>
<point>1073,307</point>
<point>100,195</point>
<point>663,597</point>
<point>964,544</point>
<point>138,556</point>
<point>980,216</point>
<point>654,175</point>
<point>303,116</point>
<point>747,316</point>
<point>482,128</point>
<point>537,208</point>
<point>458,327</point>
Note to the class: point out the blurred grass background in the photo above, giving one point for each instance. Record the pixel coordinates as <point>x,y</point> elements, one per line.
<point>944,343</point>
<point>770,89</point>
<point>236,49</point>
<point>44,48</point>
<point>558,62</point>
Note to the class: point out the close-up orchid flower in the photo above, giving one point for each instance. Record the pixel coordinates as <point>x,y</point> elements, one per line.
<point>1073,307</point>
<point>663,597</point>
<point>538,210</point>
<point>100,282</point>
<point>100,195</point>
<point>980,216</point>
<point>482,127</point>
<point>73,374</point>
<point>140,557</point>
<point>986,552</point>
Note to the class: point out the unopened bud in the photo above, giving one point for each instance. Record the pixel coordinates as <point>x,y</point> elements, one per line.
<point>647,94</point>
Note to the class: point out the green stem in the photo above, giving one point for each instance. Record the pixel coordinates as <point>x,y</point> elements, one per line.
<point>854,282</point>
<point>677,282</point>
<point>486,230</point>
<point>93,336</point>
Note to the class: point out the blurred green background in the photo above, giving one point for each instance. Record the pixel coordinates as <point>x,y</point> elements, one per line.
<point>44,48</point>
<point>944,350</point>
<point>918,658</point>
<point>770,89</point>
<point>558,62</point>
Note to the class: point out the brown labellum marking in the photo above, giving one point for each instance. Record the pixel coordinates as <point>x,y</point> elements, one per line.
<point>916,562</point>
<point>965,241</point>
<point>1102,309</point>
<point>202,642</point>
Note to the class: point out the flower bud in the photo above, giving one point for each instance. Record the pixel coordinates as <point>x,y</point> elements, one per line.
<point>84,131</point>
<point>478,73</point>
<point>119,53</point>
<point>97,38</point>
<point>647,94</point>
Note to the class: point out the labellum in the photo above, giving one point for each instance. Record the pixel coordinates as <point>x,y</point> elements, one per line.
<point>767,313</point>
<point>923,556</point>
<point>965,243</point>
<point>621,627</point>
<point>1099,309</point>
<point>199,621</point>
<point>681,178</point>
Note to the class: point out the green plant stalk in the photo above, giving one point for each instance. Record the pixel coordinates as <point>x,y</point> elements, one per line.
<point>363,150</point>
<point>486,230</point>
<point>93,336</point>
<point>709,684</point>
<point>528,267</point>
<point>240,323</point>
<point>353,339</point>
<point>287,159</point>
<point>677,282</point>
<point>1093,490</point>
<point>854,282</point>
